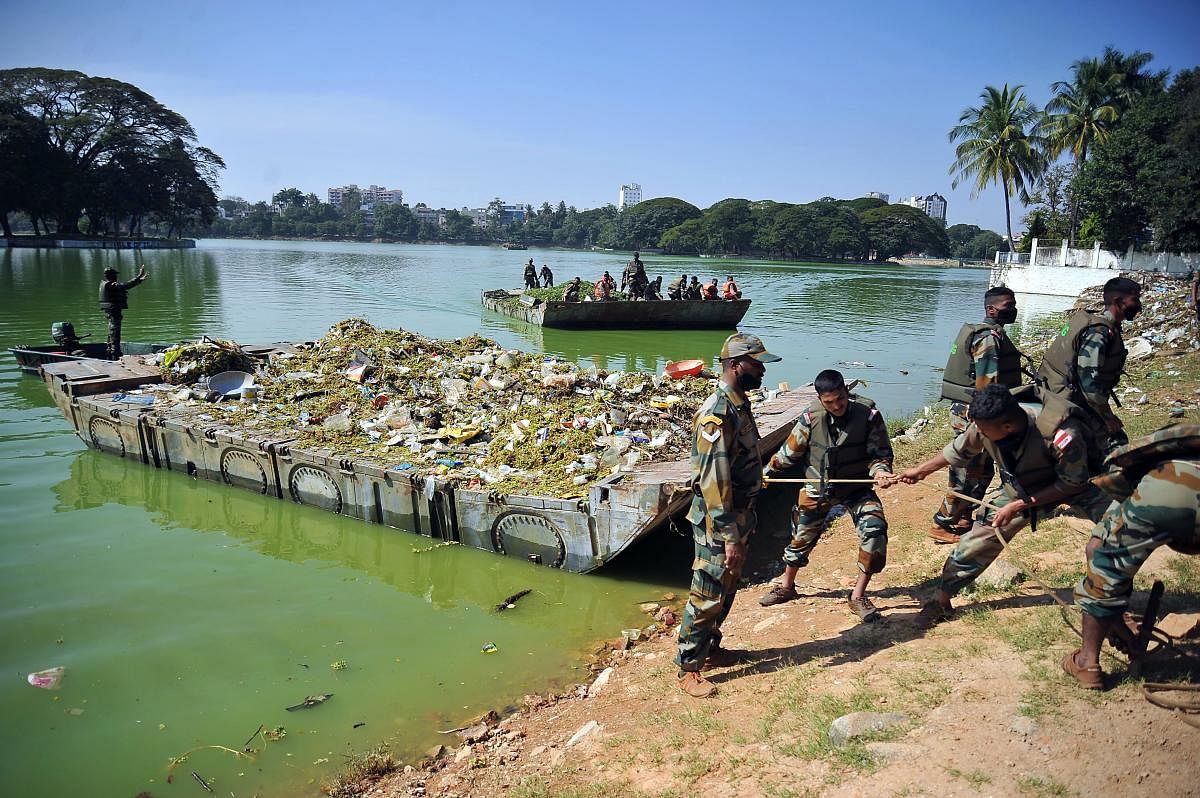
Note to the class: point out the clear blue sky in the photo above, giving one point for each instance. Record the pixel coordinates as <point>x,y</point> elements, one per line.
<point>458,102</point>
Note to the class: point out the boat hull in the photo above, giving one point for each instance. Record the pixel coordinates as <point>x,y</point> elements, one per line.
<point>673,315</point>
<point>577,535</point>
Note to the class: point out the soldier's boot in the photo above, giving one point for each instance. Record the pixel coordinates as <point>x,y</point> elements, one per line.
<point>865,610</point>
<point>696,685</point>
<point>952,532</point>
<point>1089,678</point>
<point>934,612</point>
<point>778,595</point>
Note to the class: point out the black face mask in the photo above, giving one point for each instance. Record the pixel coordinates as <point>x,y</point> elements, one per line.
<point>1130,312</point>
<point>748,382</point>
<point>1006,316</point>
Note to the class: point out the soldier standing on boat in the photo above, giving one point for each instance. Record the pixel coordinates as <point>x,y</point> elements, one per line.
<point>1086,359</point>
<point>531,280</point>
<point>726,478</point>
<point>1154,484</point>
<point>114,299</point>
<point>981,355</point>
<point>547,277</point>
<point>840,436</point>
<point>677,287</point>
<point>1042,446</point>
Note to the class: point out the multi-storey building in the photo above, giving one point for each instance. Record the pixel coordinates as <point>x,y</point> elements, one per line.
<point>877,195</point>
<point>370,196</point>
<point>933,205</point>
<point>629,195</point>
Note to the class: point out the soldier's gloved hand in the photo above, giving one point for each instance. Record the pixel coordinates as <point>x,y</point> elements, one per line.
<point>766,476</point>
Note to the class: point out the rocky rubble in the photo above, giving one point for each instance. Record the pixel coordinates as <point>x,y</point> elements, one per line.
<point>464,409</point>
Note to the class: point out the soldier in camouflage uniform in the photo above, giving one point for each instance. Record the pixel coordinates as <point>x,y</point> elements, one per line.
<point>726,479</point>
<point>114,299</point>
<point>981,354</point>
<point>1085,361</point>
<point>1041,445</point>
<point>840,436</point>
<point>1155,482</point>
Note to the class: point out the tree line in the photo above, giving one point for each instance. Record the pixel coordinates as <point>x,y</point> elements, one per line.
<point>829,228</point>
<point>95,156</point>
<point>1111,158</point>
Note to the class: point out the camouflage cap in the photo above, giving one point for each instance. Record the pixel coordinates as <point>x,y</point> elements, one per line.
<point>743,344</point>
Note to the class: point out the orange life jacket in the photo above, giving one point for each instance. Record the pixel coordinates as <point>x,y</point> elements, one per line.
<point>710,291</point>
<point>730,290</point>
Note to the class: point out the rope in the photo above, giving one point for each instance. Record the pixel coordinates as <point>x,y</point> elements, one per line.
<point>1186,710</point>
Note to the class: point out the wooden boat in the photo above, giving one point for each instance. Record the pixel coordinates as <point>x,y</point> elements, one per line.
<point>575,534</point>
<point>32,358</point>
<point>623,315</point>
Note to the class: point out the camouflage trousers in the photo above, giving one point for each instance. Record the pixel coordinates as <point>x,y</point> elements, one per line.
<point>711,597</point>
<point>810,519</point>
<point>972,479</point>
<point>979,548</point>
<point>1163,510</point>
<point>114,333</point>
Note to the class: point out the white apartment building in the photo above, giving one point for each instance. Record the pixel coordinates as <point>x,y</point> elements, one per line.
<point>877,195</point>
<point>371,196</point>
<point>933,205</point>
<point>629,195</point>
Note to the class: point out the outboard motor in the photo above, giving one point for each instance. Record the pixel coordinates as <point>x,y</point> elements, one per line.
<point>63,333</point>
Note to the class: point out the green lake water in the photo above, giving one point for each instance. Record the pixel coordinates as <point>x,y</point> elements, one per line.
<point>188,613</point>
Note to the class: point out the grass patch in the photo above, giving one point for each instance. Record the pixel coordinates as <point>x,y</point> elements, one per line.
<point>976,778</point>
<point>692,768</point>
<point>702,720</point>
<point>1042,788</point>
<point>1183,575</point>
<point>808,713</point>
<point>933,439</point>
<point>366,767</point>
<point>539,787</point>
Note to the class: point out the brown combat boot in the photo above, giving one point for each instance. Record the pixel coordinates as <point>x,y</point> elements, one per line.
<point>696,685</point>
<point>865,610</point>
<point>778,595</point>
<point>1089,678</point>
<point>950,535</point>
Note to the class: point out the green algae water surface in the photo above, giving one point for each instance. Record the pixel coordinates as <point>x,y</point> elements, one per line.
<point>189,614</point>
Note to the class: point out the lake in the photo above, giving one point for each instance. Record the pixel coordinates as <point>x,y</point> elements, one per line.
<point>188,614</point>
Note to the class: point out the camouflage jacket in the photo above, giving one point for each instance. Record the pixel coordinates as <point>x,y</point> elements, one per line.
<point>1090,364</point>
<point>877,448</point>
<point>1037,461</point>
<point>726,467</point>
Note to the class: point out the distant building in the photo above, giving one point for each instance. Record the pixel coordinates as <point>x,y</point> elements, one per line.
<point>423,213</point>
<point>370,196</point>
<point>877,195</point>
<point>478,216</point>
<point>933,205</point>
<point>629,195</point>
<point>511,212</point>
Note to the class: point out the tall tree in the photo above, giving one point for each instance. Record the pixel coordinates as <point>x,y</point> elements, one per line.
<point>92,123</point>
<point>999,142</point>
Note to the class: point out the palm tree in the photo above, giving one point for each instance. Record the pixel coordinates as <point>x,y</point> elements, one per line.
<point>999,142</point>
<point>1081,113</point>
<point>1126,78</point>
<point>1084,110</point>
